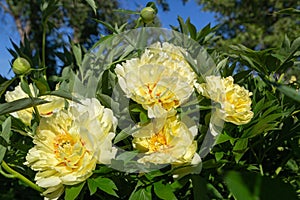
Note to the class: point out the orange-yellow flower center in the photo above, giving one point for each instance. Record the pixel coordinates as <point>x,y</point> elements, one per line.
<point>153,93</point>
<point>158,142</point>
<point>68,149</point>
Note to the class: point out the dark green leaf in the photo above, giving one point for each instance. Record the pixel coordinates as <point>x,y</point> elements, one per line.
<point>77,54</point>
<point>104,184</point>
<point>107,25</point>
<point>20,104</point>
<point>239,149</point>
<point>141,194</point>
<point>5,85</point>
<point>265,124</point>
<point>122,135</point>
<point>126,156</point>
<point>249,186</point>
<point>290,92</point>
<point>25,87</point>
<point>192,29</point>
<point>289,11</point>
<point>164,191</point>
<point>63,94</point>
<point>42,85</point>
<point>5,134</point>
<point>73,191</point>
<point>127,11</point>
<point>199,187</point>
<point>92,4</point>
<point>183,26</point>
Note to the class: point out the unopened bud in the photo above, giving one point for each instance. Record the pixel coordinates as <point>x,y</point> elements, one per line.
<point>21,66</point>
<point>148,15</point>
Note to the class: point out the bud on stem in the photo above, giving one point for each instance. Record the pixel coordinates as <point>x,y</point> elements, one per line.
<point>20,66</point>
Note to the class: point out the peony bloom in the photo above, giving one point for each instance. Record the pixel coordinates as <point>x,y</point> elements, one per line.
<point>161,76</point>
<point>167,141</point>
<point>234,100</point>
<point>69,144</point>
<point>45,110</point>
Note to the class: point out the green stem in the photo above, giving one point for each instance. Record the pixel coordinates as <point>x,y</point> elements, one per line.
<point>19,176</point>
<point>261,170</point>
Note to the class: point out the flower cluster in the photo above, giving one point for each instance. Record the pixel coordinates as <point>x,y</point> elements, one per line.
<point>70,143</point>
<point>72,137</point>
<point>234,100</point>
<point>161,77</point>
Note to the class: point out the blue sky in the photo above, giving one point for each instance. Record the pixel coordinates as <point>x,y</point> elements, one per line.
<point>190,9</point>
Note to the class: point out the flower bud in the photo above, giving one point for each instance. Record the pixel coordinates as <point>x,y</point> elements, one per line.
<point>21,66</point>
<point>148,15</point>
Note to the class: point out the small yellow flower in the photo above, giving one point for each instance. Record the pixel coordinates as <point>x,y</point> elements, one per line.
<point>45,110</point>
<point>234,100</point>
<point>69,144</point>
<point>161,77</point>
<point>167,141</point>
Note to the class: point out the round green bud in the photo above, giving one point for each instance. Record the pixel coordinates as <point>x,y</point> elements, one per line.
<point>21,66</point>
<point>148,15</point>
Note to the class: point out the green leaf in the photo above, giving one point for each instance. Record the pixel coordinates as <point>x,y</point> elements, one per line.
<point>192,29</point>
<point>42,85</point>
<point>25,87</point>
<point>123,134</point>
<point>223,138</point>
<point>219,156</point>
<point>289,11</point>
<point>131,12</point>
<point>5,134</point>
<point>5,85</point>
<point>199,187</point>
<point>126,156</point>
<point>92,184</point>
<point>264,124</point>
<point>141,194</point>
<point>92,4</point>
<point>240,148</point>
<point>104,184</point>
<point>290,92</point>
<point>143,117</point>
<point>107,25</point>
<point>64,94</point>
<point>20,104</point>
<point>249,186</point>
<point>73,191</point>
<point>164,191</point>
<point>238,186</point>
<point>77,53</point>
<point>213,190</point>
<point>296,44</point>
<point>183,26</point>
<point>222,64</point>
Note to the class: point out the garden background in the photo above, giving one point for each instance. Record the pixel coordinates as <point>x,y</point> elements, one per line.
<point>255,42</point>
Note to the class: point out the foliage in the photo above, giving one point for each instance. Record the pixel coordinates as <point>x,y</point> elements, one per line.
<point>258,24</point>
<point>258,160</point>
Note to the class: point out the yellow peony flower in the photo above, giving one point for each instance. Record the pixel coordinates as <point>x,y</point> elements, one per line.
<point>69,144</point>
<point>45,110</point>
<point>160,77</point>
<point>234,100</point>
<point>167,141</point>
<point>172,57</point>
